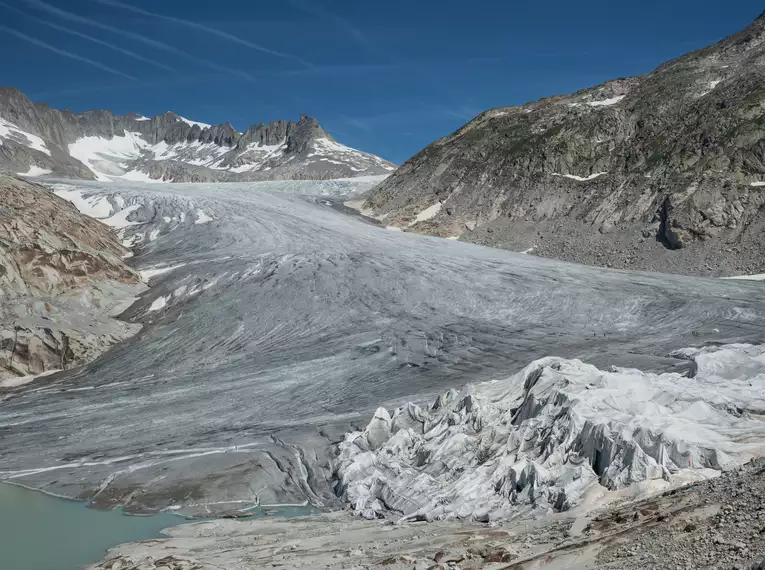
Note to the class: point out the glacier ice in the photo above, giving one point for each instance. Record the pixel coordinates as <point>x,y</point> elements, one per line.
<point>543,437</point>
<point>287,320</point>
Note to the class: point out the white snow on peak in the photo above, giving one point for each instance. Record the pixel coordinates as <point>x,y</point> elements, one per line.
<point>142,118</point>
<point>324,147</point>
<point>580,178</point>
<point>256,155</point>
<point>427,213</point>
<point>10,132</point>
<point>606,102</point>
<point>757,184</point>
<point>192,123</point>
<point>196,152</point>
<point>103,156</point>
<point>546,436</point>
<point>35,170</point>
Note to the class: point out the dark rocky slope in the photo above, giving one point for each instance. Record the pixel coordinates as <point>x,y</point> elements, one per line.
<point>660,172</point>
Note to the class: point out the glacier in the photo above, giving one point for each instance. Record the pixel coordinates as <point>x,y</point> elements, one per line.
<point>544,437</point>
<point>284,321</point>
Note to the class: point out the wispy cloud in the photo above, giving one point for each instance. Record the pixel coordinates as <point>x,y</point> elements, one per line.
<point>65,53</point>
<point>39,4</point>
<point>118,49</point>
<point>410,114</point>
<point>461,112</point>
<point>208,29</point>
<point>343,69</point>
<point>368,123</point>
<point>101,86</point>
<point>314,7</point>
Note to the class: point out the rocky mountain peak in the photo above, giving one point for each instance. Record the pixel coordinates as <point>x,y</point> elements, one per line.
<point>306,130</point>
<point>169,147</point>
<point>663,171</point>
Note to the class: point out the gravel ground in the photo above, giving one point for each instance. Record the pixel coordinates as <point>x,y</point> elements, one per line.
<point>717,524</point>
<point>629,246</point>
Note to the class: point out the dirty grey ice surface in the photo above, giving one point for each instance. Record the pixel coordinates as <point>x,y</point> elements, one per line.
<point>286,322</point>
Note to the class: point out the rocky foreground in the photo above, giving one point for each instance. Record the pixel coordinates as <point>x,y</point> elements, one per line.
<point>662,172</point>
<point>62,279</point>
<point>715,524</point>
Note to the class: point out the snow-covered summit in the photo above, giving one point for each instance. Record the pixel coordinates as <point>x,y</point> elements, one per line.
<point>169,147</point>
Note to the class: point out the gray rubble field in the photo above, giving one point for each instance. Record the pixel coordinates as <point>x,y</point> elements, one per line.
<point>285,323</point>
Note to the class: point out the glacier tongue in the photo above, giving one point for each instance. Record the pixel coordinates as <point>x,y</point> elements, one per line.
<point>544,436</point>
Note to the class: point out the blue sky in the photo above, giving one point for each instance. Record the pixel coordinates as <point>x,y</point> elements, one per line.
<point>385,77</point>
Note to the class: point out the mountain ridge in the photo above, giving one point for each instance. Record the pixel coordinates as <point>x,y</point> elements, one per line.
<point>663,171</point>
<point>142,146</point>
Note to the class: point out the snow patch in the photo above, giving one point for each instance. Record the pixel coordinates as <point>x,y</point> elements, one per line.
<point>139,176</point>
<point>581,178</point>
<point>147,274</point>
<point>257,155</point>
<point>142,118</point>
<point>94,206</point>
<point>715,83</point>
<point>606,102</point>
<point>103,156</point>
<point>159,303</point>
<point>35,170</point>
<point>9,131</point>
<point>192,123</point>
<point>120,219</point>
<point>757,184</point>
<point>202,217</point>
<point>427,213</point>
<point>757,277</point>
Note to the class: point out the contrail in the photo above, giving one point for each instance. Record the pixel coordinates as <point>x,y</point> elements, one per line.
<point>137,37</point>
<point>313,7</point>
<point>214,31</point>
<point>89,38</point>
<point>65,53</point>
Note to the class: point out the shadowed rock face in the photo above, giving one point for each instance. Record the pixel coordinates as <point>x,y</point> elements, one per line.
<point>60,274</point>
<point>612,174</point>
<point>187,151</point>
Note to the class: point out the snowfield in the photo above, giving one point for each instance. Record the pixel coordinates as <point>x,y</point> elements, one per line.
<point>9,131</point>
<point>34,171</point>
<point>285,323</point>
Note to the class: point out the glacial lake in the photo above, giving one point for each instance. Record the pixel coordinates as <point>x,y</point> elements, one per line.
<point>41,532</point>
